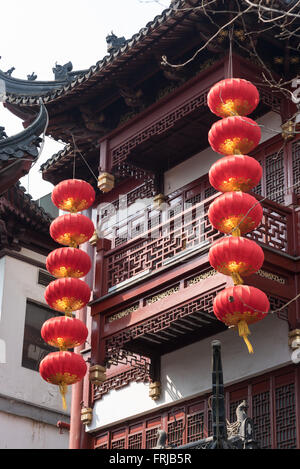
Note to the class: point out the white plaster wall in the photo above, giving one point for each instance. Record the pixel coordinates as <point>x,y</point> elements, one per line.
<point>23,433</point>
<point>199,164</point>
<point>186,373</point>
<point>20,283</point>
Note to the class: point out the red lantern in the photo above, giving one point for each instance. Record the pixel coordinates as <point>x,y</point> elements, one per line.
<point>67,294</point>
<point>64,332</point>
<point>235,213</point>
<point>234,135</point>
<point>233,96</point>
<point>73,195</point>
<point>71,229</point>
<point>236,256</point>
<point>63,369</point>
<point>68,262</point>
<point>235,173</point>
<point>239,306</point>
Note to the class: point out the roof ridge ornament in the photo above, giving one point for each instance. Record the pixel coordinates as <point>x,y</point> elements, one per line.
<point>114,42</point>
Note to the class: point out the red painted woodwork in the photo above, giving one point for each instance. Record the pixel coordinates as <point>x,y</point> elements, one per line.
<point>273,405</point>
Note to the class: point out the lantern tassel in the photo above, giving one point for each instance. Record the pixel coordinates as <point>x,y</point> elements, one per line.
<point>244,332</point>
<point>237,279</point>
<point>236,232</point>
<point>63,391</point>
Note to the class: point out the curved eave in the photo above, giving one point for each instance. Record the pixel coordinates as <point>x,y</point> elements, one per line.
<point>20,92</point>
<point>17,153</point>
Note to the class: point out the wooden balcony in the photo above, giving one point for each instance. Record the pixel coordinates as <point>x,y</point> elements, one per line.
<point>189,234</point>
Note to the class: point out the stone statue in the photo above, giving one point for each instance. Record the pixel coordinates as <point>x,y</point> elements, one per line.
<point>9,72</point>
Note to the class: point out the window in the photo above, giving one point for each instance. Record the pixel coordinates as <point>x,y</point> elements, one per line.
<point>272,406</point>
<point>34,347</point>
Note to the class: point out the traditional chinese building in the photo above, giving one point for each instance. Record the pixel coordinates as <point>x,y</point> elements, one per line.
<point>137,129</point>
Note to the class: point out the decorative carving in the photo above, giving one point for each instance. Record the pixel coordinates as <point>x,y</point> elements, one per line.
<point>288,130</point>
<point>97,374</point>
<point>132,98</point>
<point>93,121</point>
<point>162,295</point>
<point>159,201</point>
<point>2,133</point>
<point>32,77</point>
<point>114,43</point>
<point>106,182</point>
<point>86,415</point>
<point>270,276</point>
<point>200,277</point>
<point>10,71</point>
<point>134,374</point>
<point>93,240</point>
<point>123,314</point>
<point>294,339</point>
<point>61,72</point>
<point>161,125</point>
<point>155,390</point>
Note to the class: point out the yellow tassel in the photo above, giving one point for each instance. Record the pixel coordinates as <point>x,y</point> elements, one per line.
<point>237,279</point>
<point>63,388</point>
<point>244,332</point>
<point>236,232</point>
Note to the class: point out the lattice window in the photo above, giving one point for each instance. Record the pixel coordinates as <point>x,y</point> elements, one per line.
<point>118,444</point>
<point>104,446</point>
<point>135,441</point>
<point>195,427</point>
<point>275,182</point>
<point>151,437</point>
<point>175,432</point>
<point>296,165</point>
<point>285,417</point>
<point>261,419</point>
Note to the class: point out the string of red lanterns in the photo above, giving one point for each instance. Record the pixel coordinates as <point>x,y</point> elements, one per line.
<point>235,212</point>
<point>67,293</point>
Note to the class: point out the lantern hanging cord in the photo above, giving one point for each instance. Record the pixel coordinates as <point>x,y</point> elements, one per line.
<point>76,149</point>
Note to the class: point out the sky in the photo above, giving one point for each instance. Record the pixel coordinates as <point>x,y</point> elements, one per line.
<point>35,34</point>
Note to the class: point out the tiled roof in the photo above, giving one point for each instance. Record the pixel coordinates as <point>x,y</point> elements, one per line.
<point>28,93</point>
<point>24,143</point>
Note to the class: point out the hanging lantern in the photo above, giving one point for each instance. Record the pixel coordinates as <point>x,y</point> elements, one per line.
<point>239,306</point>
<point>68,262</point>
<point>67,294</point>
<point>235,213</point>
<point>235,173</point>
<point>72,229</point>
<point>63,369</point>
<point>73,195</point>
<point>236,256</point>
<point>64,332</point>
<point>233,96</point>
<point>234,135</point>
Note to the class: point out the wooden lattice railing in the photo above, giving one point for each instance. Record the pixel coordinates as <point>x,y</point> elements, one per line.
<point>190,229</point>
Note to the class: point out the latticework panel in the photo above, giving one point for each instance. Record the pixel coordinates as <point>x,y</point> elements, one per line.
<point>261,419</point>
<point>195,427</point>
<point>296,165</point>
<point>160,322</point>
<point>151,437</point>
<point>118,444</point>
<point>175,432</point>
<point>158,127</point>
<point>135,441</point>
<point>285,417</point>
<point>275,182</point>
